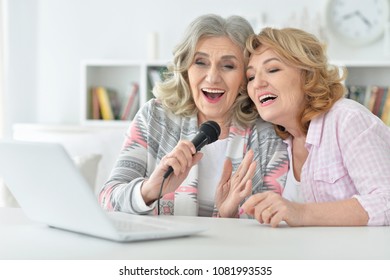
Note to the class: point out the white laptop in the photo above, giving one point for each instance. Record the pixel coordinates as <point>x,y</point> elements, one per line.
<point>50,189</point>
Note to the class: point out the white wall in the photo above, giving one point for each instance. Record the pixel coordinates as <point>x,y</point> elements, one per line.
<point>47,39</point>
<point>1,73</point>
<point>20,62</point>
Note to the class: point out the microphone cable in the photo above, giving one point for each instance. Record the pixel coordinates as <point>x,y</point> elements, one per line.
<point>208,133</point>
<point>159,196</point>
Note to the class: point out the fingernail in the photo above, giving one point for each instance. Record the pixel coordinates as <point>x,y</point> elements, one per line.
<point>241,211</point>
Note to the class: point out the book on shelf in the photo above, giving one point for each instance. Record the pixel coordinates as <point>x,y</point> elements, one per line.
<point>108,103</point>
<point>372,97</point>
<point>131,104</point>
<point>115,102</point>
<point>357,93</point>
<point>95,106</point>
<point>134,108</point>
<point>378,104</point>
<point>386,108</point>
<point>375,98</point>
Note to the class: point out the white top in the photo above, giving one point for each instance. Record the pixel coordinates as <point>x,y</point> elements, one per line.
<point>292,190</point>
<point>210,168</point>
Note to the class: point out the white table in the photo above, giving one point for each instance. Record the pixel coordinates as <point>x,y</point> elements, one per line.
<point>226,239</point>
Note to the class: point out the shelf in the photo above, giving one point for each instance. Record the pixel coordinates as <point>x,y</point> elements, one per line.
<point>368,82</point>
<point>362,63</point>
<point>117,79</point>
<point>366,72</point>
<point>119,75</point>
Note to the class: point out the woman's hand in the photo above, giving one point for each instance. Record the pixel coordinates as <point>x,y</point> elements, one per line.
<point>270,208</point>
<point>182,158</point>
<point>232,190</point>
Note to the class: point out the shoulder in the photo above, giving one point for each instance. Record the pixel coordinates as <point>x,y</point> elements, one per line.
<point>264,140</point>
<point>152,105</point>
<point>264,130</point>
<point>157,117</point>
<point>347,119</point>
<point>346,111</point>
<point>348,106</point>
<point>262,125</point>
<point>153,109</point>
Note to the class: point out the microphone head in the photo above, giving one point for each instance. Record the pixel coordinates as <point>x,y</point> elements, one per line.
<point>211,129</point>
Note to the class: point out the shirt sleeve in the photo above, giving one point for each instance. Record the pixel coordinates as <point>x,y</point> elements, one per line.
<point>138,203</point>
<point>130,168</point>
<point>366,145</point>
<point>271,157</point>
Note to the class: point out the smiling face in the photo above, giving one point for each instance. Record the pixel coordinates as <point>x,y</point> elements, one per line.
<point>215,76</point>
<point>275,88</point>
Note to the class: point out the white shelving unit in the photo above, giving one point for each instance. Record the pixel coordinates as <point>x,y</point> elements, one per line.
<point>370,84</point>
<point>119,76</point>
<point>366,72</point>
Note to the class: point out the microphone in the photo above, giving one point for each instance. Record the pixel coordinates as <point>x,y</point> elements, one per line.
<point>208,133</point>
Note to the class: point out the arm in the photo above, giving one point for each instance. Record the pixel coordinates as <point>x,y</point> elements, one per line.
<point>338,213</point>
<point>182,158</point>
<point>363,190</point>
<point>135,180</point>
<point>130,168</point>
<point>360,144</point>
<point>264,167</point>
<point>365,147</point>
<point>271,208</point>
<point>232,190</point>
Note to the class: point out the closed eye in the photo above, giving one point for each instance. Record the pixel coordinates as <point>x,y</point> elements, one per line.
<point>273,70</point>
<point>228,66</point>
<point>199,62</point>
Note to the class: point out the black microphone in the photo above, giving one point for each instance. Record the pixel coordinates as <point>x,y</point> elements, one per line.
<point>208,133</point>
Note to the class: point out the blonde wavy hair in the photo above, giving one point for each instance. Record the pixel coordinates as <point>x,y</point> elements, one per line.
<point>175,93</point>
<point>321,81</point>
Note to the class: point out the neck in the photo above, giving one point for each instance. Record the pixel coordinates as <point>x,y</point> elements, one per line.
<point>224,129</point>
<point>223,124</point>
<point>299,154</point>
<point>295,130</point>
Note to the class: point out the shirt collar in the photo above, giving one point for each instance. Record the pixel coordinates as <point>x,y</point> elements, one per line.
<point>314,133</point>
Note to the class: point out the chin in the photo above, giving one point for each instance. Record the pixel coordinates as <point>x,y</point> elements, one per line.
<point>267,118</point>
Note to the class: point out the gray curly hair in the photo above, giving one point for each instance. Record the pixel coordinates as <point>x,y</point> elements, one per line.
<point>174,92</point>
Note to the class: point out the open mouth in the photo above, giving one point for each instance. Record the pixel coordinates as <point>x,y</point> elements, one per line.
<point>213,94</point>
<point>267,98</point>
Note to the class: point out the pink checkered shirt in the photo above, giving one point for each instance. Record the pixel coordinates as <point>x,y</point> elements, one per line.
<point>349,156</point>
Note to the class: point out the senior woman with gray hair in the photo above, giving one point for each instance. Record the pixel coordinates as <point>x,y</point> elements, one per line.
<point>205,82</point>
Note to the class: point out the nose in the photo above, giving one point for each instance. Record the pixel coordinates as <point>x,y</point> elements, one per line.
<point>213,76</point>
<point>259,82</point>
